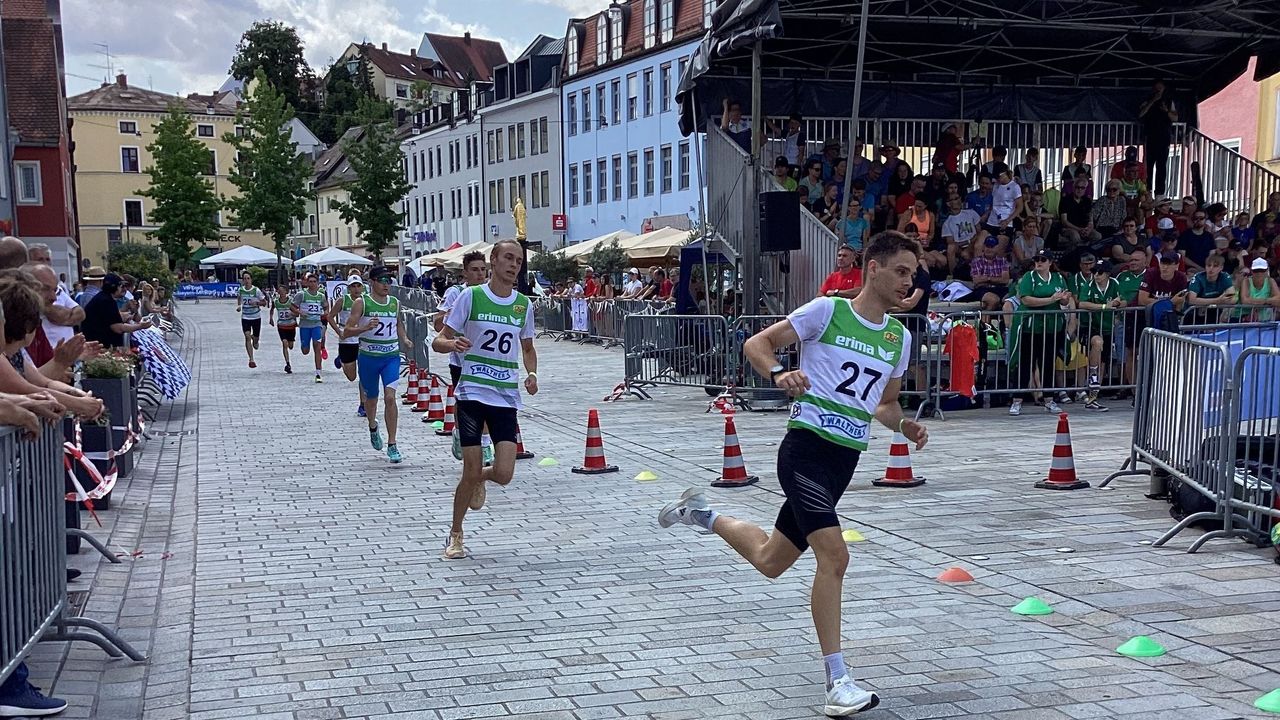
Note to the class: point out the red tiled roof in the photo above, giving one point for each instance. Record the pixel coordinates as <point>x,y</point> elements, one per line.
<point>28,9</point>
<point>404,65</point>
<point>688,23</point>
<point>31,77</point>
<point>473,57</point>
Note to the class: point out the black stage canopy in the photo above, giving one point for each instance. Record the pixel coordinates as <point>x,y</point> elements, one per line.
<point>985,59</point>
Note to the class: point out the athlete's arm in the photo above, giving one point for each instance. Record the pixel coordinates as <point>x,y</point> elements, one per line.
<point>530,356</point>
<point>449,341</point>
<point>353,328</point>
<point>761,350</point>
<point>889,413</point>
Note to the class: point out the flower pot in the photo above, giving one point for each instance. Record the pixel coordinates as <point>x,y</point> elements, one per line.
<point>119,398</point>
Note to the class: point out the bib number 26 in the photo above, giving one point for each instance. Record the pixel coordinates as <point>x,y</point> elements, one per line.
<point>856,371</point>
<point>493,342</point>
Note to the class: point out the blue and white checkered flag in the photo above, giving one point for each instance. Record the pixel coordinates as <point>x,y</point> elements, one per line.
<point>162,363</point>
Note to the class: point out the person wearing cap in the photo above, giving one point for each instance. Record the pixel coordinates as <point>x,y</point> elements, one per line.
<point>92,279</point>
<point>782,174</point>
<point>1039,323</point>
<point>1130,156</point>
<point>1167,244</point>
<point>102,321</point>
<point>1259,290</point>
<point>311,305</point>
<point>892,159</point>
<point>1109,211</point>
<point>1101,295</point>
<point>590,285</point>
<point>285,321</point>
<point>1164,281</point>
<point>375,319</point>
<point>348,347</point>
<point>990,273</point>
<point>491,325</point>
<point>632,286</point>
<point>827,158</point>
<point>1163,210</point>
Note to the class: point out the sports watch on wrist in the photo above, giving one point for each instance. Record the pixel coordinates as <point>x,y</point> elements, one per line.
<point>774,372</point>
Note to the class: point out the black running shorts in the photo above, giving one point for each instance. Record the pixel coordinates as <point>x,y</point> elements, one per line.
<point>473,416</point>
<point>251,326</point>
<point>455,374</point>
<point>348,352</point>
<point>813,474</point>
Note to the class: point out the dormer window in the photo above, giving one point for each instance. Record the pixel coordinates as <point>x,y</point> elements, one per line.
<point>708,7</point>
<point>572,51</point>
<point>602,40</point>
<point>650,23</point>
<point>615,32</point>
<point>667,20</point>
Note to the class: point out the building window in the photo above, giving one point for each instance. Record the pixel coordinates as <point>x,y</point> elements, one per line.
<point>633,175</point>
<point>535,201</point>
<point>650,23</point>
<point>204,130</point>
<point>617,178</point>
<point>648,93</point>
<point>667,21</point>
<point>524,189</point>
<point>602,184</point>
<point>573,186</point>
<point>546,188</point>
<point>128,127</point>
<point>633,94</point>
<point>544,136</point>
<point>30,191</point>
<point>573,115</point>
<point>402,90</point>
<point>615,93</point>
<point>586,183</point>
<point>502,196</point>
<point>129,160</point>
<point>664,87</point>
<point>493,196</point>
<point>133,213</point>
<point>601,109</point>
<point>534,147</point>
<point>681,64</point>
<point>520,139</point>
<point>666,168</point>
<point>648,172</point>
<point>488,144</point>
<point>684,165</point>
<point>586,111</point>
<point>211,168</point>
<point>497,135</point>
<point>615,35</point>
<point>572,51</point>
<point>602,40</point>
<point>708,7</point>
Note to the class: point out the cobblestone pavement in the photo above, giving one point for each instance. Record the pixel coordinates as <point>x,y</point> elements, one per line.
<point>288,571</point>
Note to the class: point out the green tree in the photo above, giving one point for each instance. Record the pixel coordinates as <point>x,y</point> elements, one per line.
<point>271,176</point>
<point>555,266</point>
<point>346,101</point>
<point>260,276</point>
<point>185,202</point>
<point>141,260</point>
<point>276,49</point>
<point>380,186</point>
<point>608,261</point>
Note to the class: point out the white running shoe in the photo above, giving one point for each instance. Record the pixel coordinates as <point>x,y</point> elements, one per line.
<point>1051,407</point>
<point>845,699</point>
<point>681,510</point>
<point>1015,407</point>
<point>453,549</point>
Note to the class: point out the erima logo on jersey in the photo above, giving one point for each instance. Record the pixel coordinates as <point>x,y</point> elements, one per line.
<point>886,355</point>
<point>491,372</point>
<point>844,425</point>
<point>855,344</point>
<point>503,319</point>
<point>795,413</point>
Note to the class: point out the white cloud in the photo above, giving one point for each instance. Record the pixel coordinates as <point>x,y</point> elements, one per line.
<point>578,8</point>
<point>435,21</point>
<point>328,26</point>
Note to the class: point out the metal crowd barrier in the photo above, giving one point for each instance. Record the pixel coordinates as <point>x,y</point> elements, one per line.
<point>687,350</point>
<point>419,330</point>
<point>33,552</point>
<point>417,299</point>
<point>551,317</point>
<point>595,320</point>
<point>1225,314</point>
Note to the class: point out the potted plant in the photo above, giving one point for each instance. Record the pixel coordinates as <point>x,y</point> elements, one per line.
<point>109,377</point>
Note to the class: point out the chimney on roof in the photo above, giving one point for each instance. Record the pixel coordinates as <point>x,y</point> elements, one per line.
<point>413,52</point>
<point>122,80</point>
<point>466,37</point>
<point>384,47</point>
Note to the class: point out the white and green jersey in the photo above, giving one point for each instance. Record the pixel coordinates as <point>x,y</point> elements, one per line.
<point>344,313</point>
<point>849,362</point>
<point>383,338</point>
<point>495,326</point>
<point>249,298</point>
<point>312,307</point>
<point>284,312</point>
<point>446,304</point>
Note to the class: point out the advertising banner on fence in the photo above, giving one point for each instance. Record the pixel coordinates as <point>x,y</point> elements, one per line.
<point>189,291</point>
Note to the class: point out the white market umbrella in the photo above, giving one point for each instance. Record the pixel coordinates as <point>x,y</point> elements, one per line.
<point>333,256</point>
<point>244,255</point>
<point>580,251</point>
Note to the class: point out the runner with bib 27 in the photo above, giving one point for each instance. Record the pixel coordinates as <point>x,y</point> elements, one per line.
<point>375,318</point>
<point>491,327</point>
<point>852,358</point>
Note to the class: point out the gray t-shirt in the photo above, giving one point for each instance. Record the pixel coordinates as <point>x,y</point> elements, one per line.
<point>312,307</point>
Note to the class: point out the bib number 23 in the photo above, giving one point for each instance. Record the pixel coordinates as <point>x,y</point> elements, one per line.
<point>493,342</point>
<point>856,371</point>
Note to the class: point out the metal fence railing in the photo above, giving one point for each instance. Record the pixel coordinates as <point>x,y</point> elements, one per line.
<point>689,350</point>
<point>590,320</point>
<point>417,299</point>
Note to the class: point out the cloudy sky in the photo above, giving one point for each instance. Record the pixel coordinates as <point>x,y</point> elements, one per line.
<point>182,46</point>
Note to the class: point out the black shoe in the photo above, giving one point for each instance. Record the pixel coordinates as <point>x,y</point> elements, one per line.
<point>72,574</point>
<point>288,369</point>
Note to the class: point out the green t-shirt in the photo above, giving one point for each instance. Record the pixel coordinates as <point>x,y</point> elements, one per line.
<point>1046,319</point>
<point>1100,320</point>
<point>1129,283</point>
<point>312,307</point>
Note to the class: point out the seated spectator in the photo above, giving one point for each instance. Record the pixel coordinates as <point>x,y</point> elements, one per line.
<point>1259,291</point>
<point>855,228</point>
<point>996,165</point>
<point>1130,156</point>
<point>960,231</point>
<point>1006,203</point>
<point>1034,208</point>
<point>858,194</point>
<point>812,182</point>
<point>990,273</point>
<point>1197,242</point>
<point>830,153</point>
<point>1272,212</point>
<point>979,200</point>
<point>842,166</point>
<point>903,202</point>
<point>1109,211</point>
<point>1212,286</point>
<point>1082,178</point>
<point>1232,257</point>
<point>1028,171</point>
<point>1027,245</point>
<point>877,183</point>
<point>935,189</point>
<point>1076,215</point>
<point>1077,164</point>
<point>1168,245</point>
<point>934,253</point>
<point>782,174</point>
<point>1189,208</point>
<point>827,209</point>
<point>858,161</point>
<point>846,281</point>
<point>948,148</point>
<point>1130,240</point>
<point>1164,211</point>
<point>1134,189</point>
<point>103,321</point>
<point>900,181</point>
<point>734,126</point>
<point>1163,281</point>
<point>892,159</point>
<point>921,216</point>
<point>1217,221</point>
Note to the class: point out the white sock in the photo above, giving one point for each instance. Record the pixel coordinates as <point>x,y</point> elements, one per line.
<point>705,518</point>
<point>835,667</point>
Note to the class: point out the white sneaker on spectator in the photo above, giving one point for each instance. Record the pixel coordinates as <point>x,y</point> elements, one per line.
<point>1015,407</point>
<point>1052,407</point>
<point>1082,397</point>
<point>1064,398</point>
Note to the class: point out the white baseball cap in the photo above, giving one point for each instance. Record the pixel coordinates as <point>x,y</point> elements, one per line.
<point>1259,264</point>
<point>1165,224</point>
<point>355,279</point>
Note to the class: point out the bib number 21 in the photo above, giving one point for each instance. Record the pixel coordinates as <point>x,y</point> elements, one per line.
<point>856,371</point>
<point>493,342</point>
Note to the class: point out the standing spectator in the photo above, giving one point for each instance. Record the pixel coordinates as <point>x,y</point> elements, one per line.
<point>990,272</point>
<point>1006,202</point>
<point>1197,242</point>
<point>1260,291</point>
<point>665,285</point>
<point>590,287</point>
<point>793,140</point>
<point>632,286</point>
<point>1130,156</point>
<point>960,231</point>
<point>782,174</point>
<point>812,182</point>
<point>1028,171</point>
<point>846,281</point>
<point>92,284</point>
<point>997,165</point>
<point>1076,214</point>
<point>913,313</point>
<point>734,126</point>
<point>1077,164</point>
<point>1042,294</point>
<point>102,320</point>
<point>1157,115</point>
<point>1109,211</point>
<point>1103,296</point>
<point>948,149</point>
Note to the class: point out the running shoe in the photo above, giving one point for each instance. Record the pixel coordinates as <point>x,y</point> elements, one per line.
<point>457,443</point>
<point>393,454</point>
<point>337,363</point>
<point>486,453</point>
<point>1015,407</point>
<point>374,438</point>
<point>453,549</point>
<point>1052,407</point>
<point>845,699</point>
<point>253,364</point>
<point>30,702</point>
<point>288,369</point>
<point>1093,404</point>
<point>360,411</point>
<point>681,511</point>
<point>478,497</point>
<point>318,378</point>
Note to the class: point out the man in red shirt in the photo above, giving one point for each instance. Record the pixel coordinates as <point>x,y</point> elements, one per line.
<point>589,286</point>
<point>846,281</point>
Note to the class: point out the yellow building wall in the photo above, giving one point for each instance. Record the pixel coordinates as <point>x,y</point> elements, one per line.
<point>102,186</point>
<point>334,232</point>
<point>1269,123</point>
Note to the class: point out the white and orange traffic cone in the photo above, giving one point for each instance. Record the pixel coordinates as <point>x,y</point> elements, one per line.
<point>1062,469</point>
<point>593,463</point>
<point>424,397</point>
<point>521,453</point>
<point>435,406</point>
<point>410,396</point>
<point>449,419</point>
<point>735,470</point>
<point>899,474</point>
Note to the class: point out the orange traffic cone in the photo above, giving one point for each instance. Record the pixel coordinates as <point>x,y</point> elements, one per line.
<point>1062,469</point>
<point>593,463</point>
<point>435,407</point>
<point>735,471</point>
<point>425,398</point>
<point>449,420</point>
<point>410,396</point>
<point>521,453</point>
<point>898,473</point>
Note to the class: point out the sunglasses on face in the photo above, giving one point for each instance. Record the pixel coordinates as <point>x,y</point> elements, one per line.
<point>386,279</point>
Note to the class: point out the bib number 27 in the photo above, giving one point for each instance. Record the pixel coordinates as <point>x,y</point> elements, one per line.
<point>493,342</point>
<point>856,371</point>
